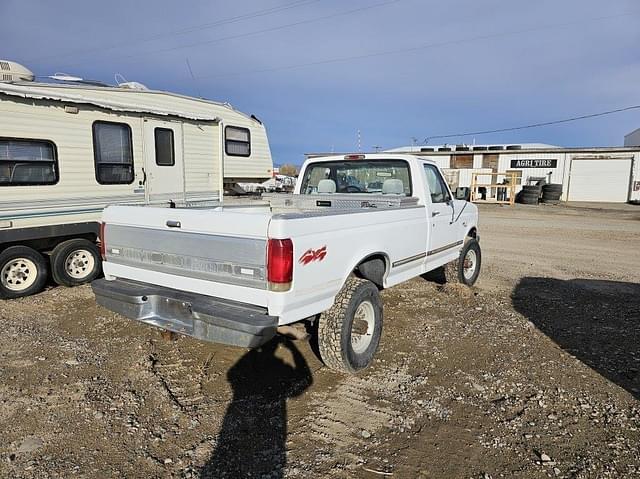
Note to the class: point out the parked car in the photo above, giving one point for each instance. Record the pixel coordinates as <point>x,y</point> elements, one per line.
<point>233,275</point>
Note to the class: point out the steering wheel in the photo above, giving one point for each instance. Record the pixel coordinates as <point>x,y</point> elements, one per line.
<point>352,189</point>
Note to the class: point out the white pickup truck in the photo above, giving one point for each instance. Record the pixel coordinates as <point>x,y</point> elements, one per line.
<point>355,224</point>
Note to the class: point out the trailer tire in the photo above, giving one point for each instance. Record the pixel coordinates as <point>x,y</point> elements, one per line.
<point>23,272</point>
<point>339,348</point>
<point>75,262</point>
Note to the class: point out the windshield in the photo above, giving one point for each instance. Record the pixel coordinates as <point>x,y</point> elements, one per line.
<point>357,176</point>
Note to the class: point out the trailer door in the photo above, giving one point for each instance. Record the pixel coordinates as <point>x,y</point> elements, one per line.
<point>164,162</point>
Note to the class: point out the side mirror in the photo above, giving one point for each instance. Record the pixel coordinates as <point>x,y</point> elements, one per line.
<point>463,193</point>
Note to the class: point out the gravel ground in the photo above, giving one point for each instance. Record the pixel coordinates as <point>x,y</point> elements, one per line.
<point>533,373</point>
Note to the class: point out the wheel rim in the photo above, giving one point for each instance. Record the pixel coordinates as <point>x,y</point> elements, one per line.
<point>19,274</point>
<point>470,264</point>
<point>362,328</point>
<point>79,264</point>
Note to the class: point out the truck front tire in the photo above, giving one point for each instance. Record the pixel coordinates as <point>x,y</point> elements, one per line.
<point>466,269</point>
<point>349,332</point>
<point>23,271</point>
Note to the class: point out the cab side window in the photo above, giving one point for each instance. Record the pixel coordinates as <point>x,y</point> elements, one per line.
<point>437,186</point>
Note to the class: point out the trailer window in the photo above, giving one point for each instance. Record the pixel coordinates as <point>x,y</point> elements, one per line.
<point>165,150</point>
<point>237,141</point>
<point>358,176</point>
<point>113,153</point>
<point>27,162</point>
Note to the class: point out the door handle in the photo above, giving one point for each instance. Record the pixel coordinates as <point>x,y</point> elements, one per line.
<point>173,224</point>
<point>434,213</point>
<point>144,177</point>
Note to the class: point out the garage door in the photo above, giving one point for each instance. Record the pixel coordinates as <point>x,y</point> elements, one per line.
<point>600,180</point>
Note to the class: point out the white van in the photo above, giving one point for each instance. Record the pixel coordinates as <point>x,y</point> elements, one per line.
<point>69,149</point>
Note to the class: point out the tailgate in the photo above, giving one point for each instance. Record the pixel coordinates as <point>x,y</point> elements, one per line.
<point>213,252</point>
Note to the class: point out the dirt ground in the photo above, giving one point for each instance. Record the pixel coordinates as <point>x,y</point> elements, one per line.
<point>533,373</point>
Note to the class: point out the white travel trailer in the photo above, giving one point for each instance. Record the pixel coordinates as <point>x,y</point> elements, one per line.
<point>69,149</point>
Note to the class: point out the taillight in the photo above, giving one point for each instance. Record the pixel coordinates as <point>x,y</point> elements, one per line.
<point>279,264</point>
<point>103,243</point>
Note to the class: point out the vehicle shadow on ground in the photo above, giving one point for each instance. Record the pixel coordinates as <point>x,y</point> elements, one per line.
<point>436,276</point>
<point>596,321</point>
<point>251,442</point>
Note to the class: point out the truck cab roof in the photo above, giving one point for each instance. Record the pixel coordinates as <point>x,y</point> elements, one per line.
<point>370,156</point>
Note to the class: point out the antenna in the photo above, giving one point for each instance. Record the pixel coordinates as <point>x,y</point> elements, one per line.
<point>193,77</point>
<point>359,142</point>
<point>376,148</point>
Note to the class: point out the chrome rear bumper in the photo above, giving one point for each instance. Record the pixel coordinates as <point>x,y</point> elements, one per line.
<point>203,317</point>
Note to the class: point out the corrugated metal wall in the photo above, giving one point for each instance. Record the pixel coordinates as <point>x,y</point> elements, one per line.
<point>558,174</point>
<point>552,175</point>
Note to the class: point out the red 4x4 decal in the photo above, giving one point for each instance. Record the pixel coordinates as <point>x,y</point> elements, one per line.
<point>313,255</point>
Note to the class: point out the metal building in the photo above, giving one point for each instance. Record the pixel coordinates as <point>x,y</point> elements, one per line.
<point>610,174</point>
<point>633,138</point>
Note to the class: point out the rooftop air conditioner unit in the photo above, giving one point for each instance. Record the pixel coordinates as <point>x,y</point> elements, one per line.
<point>13,72</point>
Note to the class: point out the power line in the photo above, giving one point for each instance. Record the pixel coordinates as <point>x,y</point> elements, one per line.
<point>185,31</point>
<point>534,125</point>
<point>416,48</point>
<point>266,30</point>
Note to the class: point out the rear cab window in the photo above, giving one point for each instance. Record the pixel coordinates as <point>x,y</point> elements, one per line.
<point>374,176</point>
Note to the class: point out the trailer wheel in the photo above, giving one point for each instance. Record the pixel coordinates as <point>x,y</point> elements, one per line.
<point>349,332</point>
<point>23,271</point>
<point>75,262</point>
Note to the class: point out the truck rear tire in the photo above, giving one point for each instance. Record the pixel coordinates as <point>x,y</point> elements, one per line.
<point>466,269</point>
<point>23,271</point>
<point>349,332</point>
<point>75,262</point>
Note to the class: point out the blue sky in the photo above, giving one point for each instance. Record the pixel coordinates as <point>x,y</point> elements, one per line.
<point>317,71</point>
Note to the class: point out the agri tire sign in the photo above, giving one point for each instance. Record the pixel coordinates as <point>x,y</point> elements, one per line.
<point>534,163</point>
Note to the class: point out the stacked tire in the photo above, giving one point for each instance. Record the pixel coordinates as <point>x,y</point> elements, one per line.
<point>530,194</point>
<point>551,193</point>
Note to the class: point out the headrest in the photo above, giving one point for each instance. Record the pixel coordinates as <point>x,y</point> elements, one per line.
<point>392,186</point>
<point>326,186</point>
